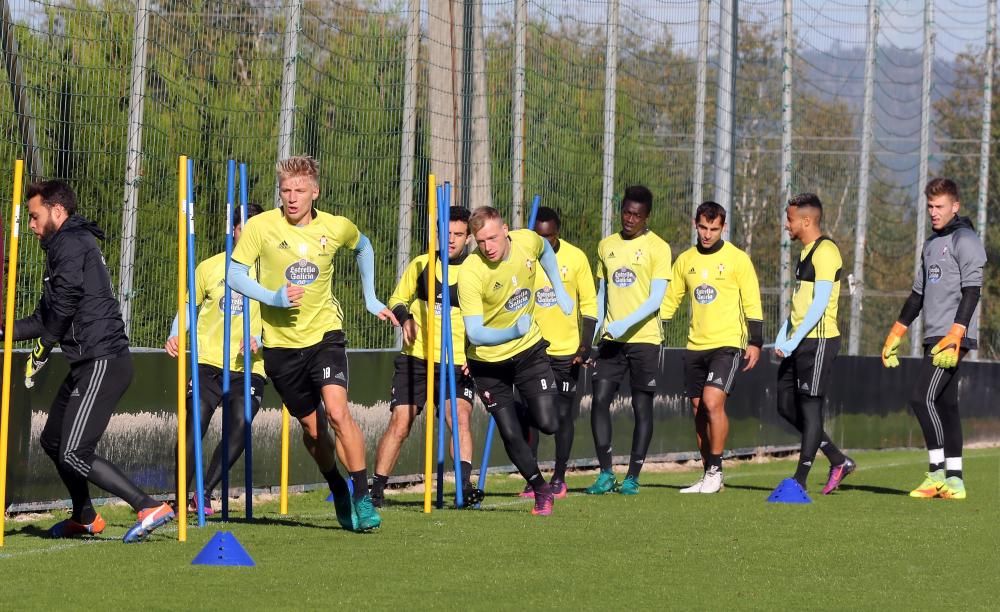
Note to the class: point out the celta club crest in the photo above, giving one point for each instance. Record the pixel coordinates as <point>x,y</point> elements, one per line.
<point>563,271</point>
<point>528,263</point>
<point>638,254</point>
<point>722,269</point>
<point>322,242</point>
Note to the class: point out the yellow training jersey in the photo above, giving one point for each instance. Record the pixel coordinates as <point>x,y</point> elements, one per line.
<point>560,330</point>
<point>209,294</point>
<point>724,295</point>
<point>411,292</point>
<point>302,255</point>
<point>501,293</point>
<point>629,267</point>
<point>819,261</point>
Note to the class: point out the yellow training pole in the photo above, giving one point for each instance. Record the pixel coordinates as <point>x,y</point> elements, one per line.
<point>182,179</point>
<point>429,342</point>
<point>8,339</point>
<point>283,495</point>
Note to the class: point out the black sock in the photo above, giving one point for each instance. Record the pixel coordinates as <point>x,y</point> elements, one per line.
<point>360,480</point>
<point>537,482</point>
<point>714,461</point>
<point>379,481</point>
<point>466,474</point>
<point>338,486</point>
<point>85,515</point>
<point>635,466</point>
<point>833,454</point>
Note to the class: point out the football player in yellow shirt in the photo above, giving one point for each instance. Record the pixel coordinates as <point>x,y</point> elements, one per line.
<point>304,342</point>
<point>727,327</point>
<point>210,278</point>
<point>633,269</point>
<point>809,340</point>
<point>495,288</point>
<point>409,382</point>
<point>569,336</point>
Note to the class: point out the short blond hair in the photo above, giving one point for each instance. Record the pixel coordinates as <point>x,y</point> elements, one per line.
<point>299,165</point>
<point>480,216</point>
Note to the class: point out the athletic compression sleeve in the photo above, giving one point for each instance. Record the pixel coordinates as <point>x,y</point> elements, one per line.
<point>602,290</point>
<point>364,255</point>
<point>821,297</point>
<point>551,267</point>
<point>239,280</point>
<point>657,288</point>
<point>480,335</point>
<point>911,308</point>
<point>782,333</point>
<point>967,307</point>
<point>756,329</point>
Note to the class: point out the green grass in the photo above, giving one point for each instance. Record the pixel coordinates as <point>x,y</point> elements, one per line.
<point>868,546</point>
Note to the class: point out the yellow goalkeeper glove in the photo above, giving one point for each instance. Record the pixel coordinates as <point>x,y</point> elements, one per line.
<point>945,352</point>
<point>36,361</point>
<point>890,350</point>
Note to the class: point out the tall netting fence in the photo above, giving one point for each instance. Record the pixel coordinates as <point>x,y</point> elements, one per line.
<point>570,99</point>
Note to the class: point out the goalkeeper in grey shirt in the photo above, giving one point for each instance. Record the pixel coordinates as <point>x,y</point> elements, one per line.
<point>947,289</point>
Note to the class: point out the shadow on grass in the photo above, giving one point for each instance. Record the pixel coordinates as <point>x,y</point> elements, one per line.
<point>285,522</point>
<point>873,489</point>
<point>35,531</point>
<point>750,488</point>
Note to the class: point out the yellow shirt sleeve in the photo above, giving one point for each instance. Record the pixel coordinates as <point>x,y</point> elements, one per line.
<point>676,289</point>
<point>470,296</point>
<point>749,290</point>
<point>661,265</point>
<point>345,233</point>
<point>406,288</point>
<point>247,249</point>
<point>826,261</point>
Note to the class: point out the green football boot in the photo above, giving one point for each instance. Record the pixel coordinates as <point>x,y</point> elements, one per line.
<point>605,483</point>
<point>367,516</point>
<point>629,486</point>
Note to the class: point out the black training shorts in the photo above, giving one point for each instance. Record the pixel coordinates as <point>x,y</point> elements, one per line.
<point>712,368</point>
<point>409,383</point>
<point>300,374</point>
<point>640,361</point>
<point>809,366</point>
<point>529,371</point>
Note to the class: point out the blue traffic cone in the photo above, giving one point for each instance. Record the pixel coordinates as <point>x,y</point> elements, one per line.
<point>223,549</point>
<point>789,491</point>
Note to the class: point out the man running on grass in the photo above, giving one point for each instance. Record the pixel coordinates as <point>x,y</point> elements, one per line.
<point>569,336</point>
<point>507,350</point>
<point>79,312</point>
<point>304,342</point>
<point>727,327</point>
<point>210,293</point>
<point>809,340</point>
<point>947,289</point>
<point>409,383</point>
<point>633,269</point>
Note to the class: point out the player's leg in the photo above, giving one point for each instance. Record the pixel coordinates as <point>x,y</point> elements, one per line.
<point>951,425</point>
<point>236,428</point>
<point>209,397</point>
<point>566,374</point>
<point>407,399</point>
<point>695,373</point>
<point>609,370</point>
<point>470,493</point>
<point>724,363</point>
<point>84,519</point>
<point>643,365</point>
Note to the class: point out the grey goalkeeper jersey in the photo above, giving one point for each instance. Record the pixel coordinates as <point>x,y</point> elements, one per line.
<point>953,258</point>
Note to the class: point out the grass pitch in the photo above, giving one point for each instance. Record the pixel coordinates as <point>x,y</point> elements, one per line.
<point>868,546</point>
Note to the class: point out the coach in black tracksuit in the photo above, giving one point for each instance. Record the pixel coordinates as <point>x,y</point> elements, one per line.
<point>78,311</point>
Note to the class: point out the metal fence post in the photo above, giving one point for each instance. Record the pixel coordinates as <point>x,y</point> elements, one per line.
<point>725,136</point>
<point>286,118</point>
<point>517,110</point>
<point>917,327</point>
<point>857,280</point>
<point>785,264</point>
<point>984,142</point>
<point>610,100</point>
<point>133,159</point>
<point>701,88</point>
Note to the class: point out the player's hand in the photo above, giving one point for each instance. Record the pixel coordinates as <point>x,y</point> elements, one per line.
<point>751,357</point>
<point>254,347</point>
<point>778,353</point>
<point>293,294</point>
<point>583,356</point>
<point>616,329</point>
<point>465,369</point>
<point>386,315</point>
<point>523,324</point>
<point>890,350</point>
<point>171,346</point>
<point>945,352</point>
<point>36,361</point>
<point>409,332</point>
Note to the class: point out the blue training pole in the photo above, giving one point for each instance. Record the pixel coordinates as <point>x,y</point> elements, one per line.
<point>441,367</point>
<point>447,342</point>
<point>491,428</point>
<point>227,338</point>
<point>247,362</point>
<point>193,330</point>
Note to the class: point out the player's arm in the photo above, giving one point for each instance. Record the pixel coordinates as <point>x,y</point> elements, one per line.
<point>238,274</point>
<point>911,309</point>
<point>470,299</point>
<point>657,289</point>
<point>402,296</point>
<point>971,257</point>
<point>674,294</point>
<point>587,298</point>
<point>548,261</point>
<point>752,309</point>
<point>364,255</point>
<point>822,290</point>
<point>200,292</point>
